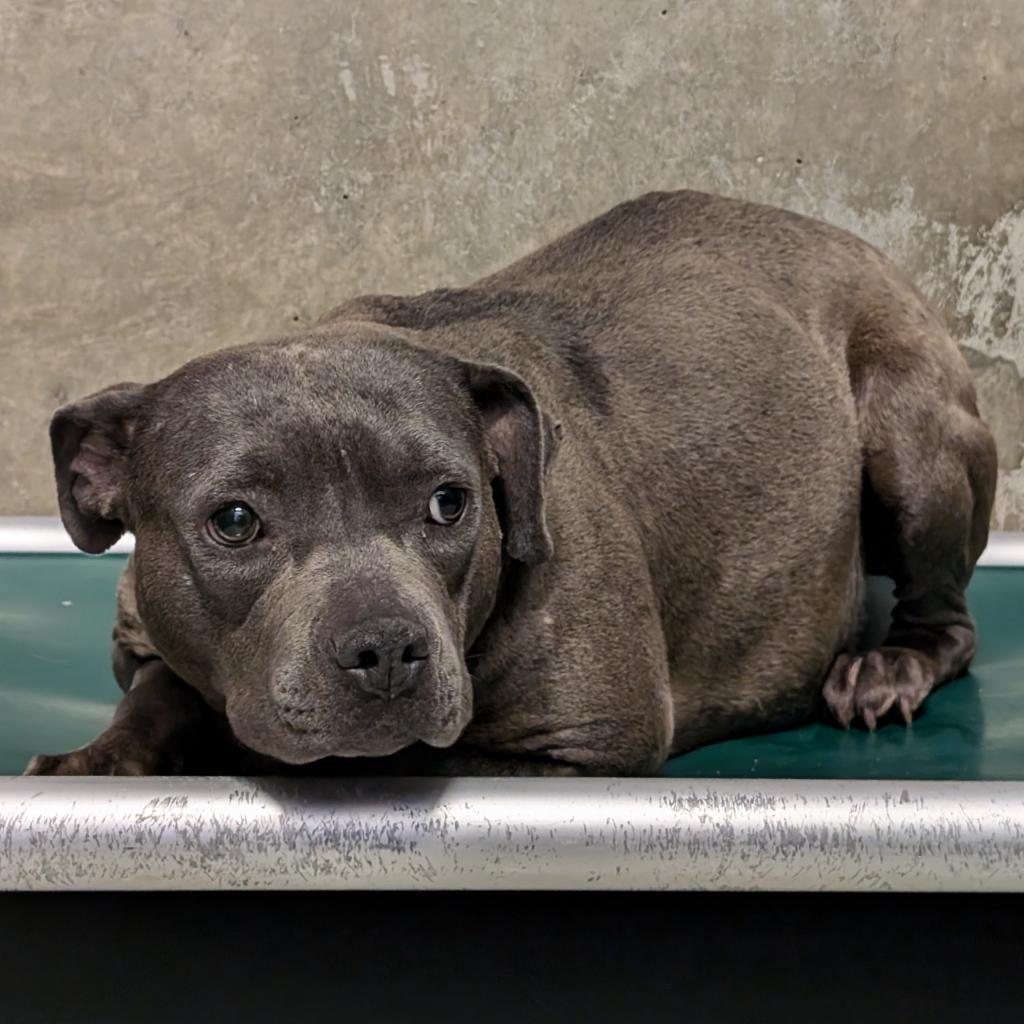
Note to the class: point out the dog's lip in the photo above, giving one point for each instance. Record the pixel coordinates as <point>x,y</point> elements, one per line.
<point>325,746</point>
<point>453,727</point>
<point>286,714</point>
<point>384,751</point>
<point>324,738</point>
<point>292,718</point>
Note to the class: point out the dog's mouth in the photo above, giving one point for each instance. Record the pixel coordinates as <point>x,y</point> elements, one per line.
<point>293,742</point>
<point>298,731</point>
<point>301,723</point>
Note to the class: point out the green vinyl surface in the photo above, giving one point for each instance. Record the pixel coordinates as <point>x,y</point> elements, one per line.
<point>57,691</point>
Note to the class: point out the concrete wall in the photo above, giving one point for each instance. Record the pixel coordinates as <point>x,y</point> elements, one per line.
<point>178,174</point>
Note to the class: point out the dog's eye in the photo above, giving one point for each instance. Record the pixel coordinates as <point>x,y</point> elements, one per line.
<point>446,505</point>
<point>234,524</point>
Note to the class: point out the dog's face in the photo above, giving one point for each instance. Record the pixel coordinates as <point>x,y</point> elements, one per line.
<point>319,526</point>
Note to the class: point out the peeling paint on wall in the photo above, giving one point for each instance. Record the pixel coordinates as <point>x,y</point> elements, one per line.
<point>990,288</point>
<point>1009,508</point>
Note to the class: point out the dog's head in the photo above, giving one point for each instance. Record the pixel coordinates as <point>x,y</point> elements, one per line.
<point>320,524</point>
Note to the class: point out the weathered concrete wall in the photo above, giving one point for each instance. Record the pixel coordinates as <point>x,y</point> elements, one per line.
<point>177,174</point>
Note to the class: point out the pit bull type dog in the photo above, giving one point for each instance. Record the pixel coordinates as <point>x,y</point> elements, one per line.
<point>612,502</point>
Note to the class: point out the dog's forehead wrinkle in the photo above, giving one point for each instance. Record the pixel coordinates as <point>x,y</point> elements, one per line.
<point>315,363</point>
<point>253,398</point>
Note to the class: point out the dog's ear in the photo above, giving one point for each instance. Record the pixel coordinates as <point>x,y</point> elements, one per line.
<point>522,439</point>
<point>90,442</point>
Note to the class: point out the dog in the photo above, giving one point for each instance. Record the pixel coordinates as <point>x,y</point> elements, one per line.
<point>608,504</point>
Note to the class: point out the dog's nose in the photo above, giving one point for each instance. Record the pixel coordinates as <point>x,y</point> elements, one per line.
<point>383,657</point>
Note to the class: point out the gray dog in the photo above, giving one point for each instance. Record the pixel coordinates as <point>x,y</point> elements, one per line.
<point>612,502</point>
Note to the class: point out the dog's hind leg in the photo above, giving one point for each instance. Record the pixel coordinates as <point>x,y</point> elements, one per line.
<point>928,487</point>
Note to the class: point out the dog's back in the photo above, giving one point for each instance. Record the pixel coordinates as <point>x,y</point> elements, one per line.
<point>710,363</point>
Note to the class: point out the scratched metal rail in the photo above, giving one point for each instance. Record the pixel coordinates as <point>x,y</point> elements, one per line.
<point>163,833</point>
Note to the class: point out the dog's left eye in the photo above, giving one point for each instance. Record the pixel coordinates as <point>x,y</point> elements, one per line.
<point>447,505</point>
<point>234,524</point>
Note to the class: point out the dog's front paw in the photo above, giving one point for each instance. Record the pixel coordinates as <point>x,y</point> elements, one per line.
<point>110,754</point>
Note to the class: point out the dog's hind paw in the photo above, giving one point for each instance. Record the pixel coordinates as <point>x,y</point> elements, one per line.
<point>873,684</point>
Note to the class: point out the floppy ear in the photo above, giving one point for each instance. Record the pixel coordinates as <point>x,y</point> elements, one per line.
<point>90,441</point>
<point>522,440</point>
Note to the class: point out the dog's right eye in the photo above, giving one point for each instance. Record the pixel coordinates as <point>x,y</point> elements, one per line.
<point>234,524</point>
<point>447,505</point>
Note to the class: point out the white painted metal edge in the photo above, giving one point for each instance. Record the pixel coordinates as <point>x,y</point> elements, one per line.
<point>1005,550</point>
<point>45,535</point>
<point>596,834</point>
